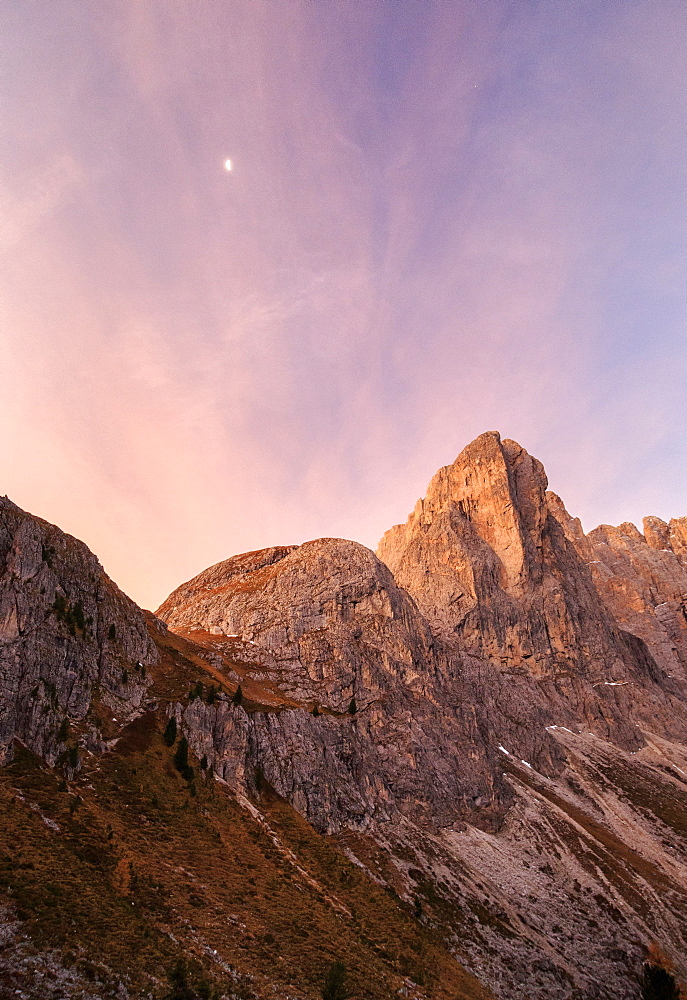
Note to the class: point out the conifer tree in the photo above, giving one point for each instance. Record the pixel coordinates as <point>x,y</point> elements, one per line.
<point>658,984</point>
<point>170,733</point>
<point>335,983</point>
<point>181,755</point>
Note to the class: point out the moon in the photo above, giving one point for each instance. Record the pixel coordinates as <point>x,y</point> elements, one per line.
<point>227,166</point>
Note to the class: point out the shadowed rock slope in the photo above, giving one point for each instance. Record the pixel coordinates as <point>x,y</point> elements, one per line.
<point>128,867</point>
<point>499,681</point>
<point>66,633</point>
<point>465,751</point>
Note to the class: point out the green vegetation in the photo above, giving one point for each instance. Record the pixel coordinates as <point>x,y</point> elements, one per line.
<point>181,755</point>
<point>124,867</point>
<point>136,857</point>
<point>187,984</point>
<point>658,984</point>
<point>181,760</point>
<point>196,691</point>
<point>335,983</point>
<point>72,616</point>
<point>47,553</point>
<point>170,733</point>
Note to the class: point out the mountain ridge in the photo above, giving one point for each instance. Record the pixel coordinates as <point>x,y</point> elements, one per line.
<point>489,720</point>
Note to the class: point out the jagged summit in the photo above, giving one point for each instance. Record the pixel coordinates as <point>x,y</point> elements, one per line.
<point>488,715</point>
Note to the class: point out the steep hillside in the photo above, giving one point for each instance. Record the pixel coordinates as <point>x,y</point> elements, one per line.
<point>129,868</point>
<point>467,751</point>
<point>497,689</point>
<point>66,633</point>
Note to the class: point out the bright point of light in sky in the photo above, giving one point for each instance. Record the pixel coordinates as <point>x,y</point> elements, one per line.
<point>458,217</point>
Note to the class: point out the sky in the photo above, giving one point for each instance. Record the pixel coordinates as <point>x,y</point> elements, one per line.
<point>443,217</point>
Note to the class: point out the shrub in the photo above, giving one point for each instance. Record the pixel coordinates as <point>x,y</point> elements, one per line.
<point>181,761</point>
<point>170,733</point>
<point>181,755</point>
<point>71,615</point>
<point>335,983</point>
<point>657,984</point>
<point>182,985</point>
<point>78,616</point>
<point>196,691</point>
<point>179,982</point>
<point>60,606</point>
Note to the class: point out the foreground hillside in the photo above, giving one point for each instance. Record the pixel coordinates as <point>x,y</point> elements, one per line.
<point>465,752</point>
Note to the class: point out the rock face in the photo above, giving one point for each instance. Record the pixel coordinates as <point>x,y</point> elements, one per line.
<point>489,714</point>
<point>507,578</point>
<point>340,638</point>
<point>495,574</point>
<point>642,580</point>
<point>506,670</point>
<point>67,634</point>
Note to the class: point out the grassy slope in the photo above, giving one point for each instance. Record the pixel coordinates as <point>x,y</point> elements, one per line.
<point>147,867</point>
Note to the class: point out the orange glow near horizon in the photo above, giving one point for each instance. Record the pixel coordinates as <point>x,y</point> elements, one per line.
<point>448,218</point>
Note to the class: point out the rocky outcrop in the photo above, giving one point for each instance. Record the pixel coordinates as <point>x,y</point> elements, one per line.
<point>489,714</point>
<point>329,612</point>
<point>500,678</point>
<point>642,580</point>
<point>350,648</point>
<point>493,571</point>
<point>671,537</point>
<point>506,578</point>
<point>67,635</point>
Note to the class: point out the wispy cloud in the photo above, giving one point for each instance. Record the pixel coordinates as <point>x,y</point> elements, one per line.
<point>442,218</point>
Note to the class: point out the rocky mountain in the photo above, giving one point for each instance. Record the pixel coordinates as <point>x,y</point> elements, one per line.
<point>485,722</point>
<point>66,632</point>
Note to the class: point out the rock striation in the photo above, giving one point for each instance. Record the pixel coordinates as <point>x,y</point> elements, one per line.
<point>68,635</point>
<point>350,648</point>
<point>503,667</point>
<point>488,715</point>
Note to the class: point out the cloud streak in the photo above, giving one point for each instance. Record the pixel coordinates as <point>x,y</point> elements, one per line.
<point>442,218</point>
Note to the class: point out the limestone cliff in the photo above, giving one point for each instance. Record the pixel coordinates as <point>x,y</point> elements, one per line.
<point>497,681</point>
<point>642,580</point>
<point>67,636</point>
<point>365,737</point>
<point>506,578</point>
<point>488,717</point>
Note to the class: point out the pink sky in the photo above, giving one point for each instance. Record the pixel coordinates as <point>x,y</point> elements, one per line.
<point>443,218</point>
